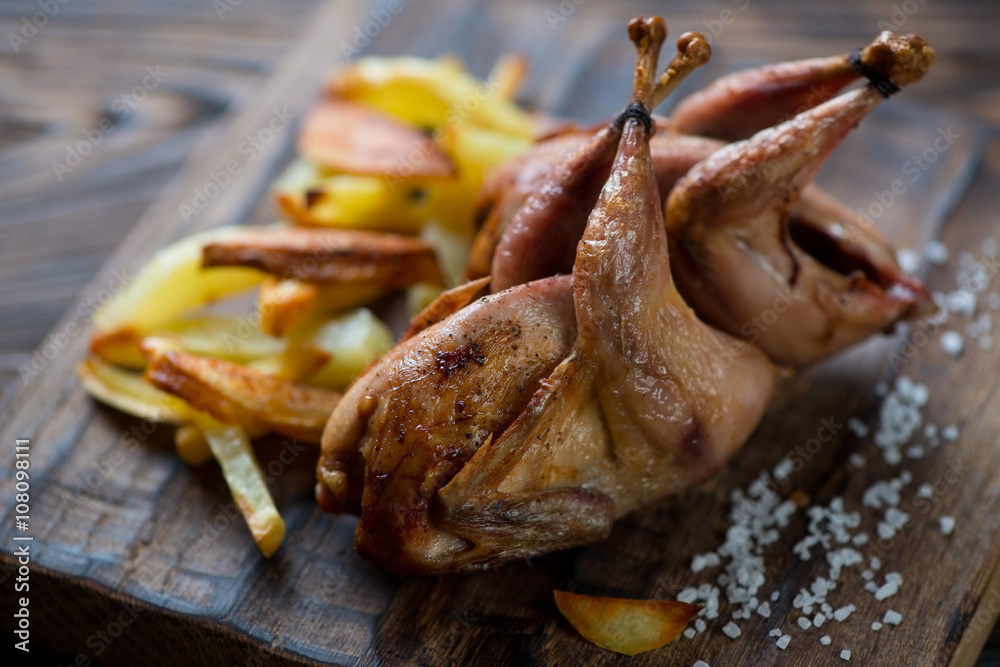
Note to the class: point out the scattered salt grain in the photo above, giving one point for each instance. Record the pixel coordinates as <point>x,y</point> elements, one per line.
<point>947,524</point>
<point>783,641</point>
<point>857,427</point>
<point>876,626</point>
<point>689,633</point>
<point>845,655</point>
<point>868,575</point>
<point>701,561</point>
<point>819,620</point>
<point>825,640</point>
<point>908,260</point>
<point>731,630</point>
<point>950,433</point>
<point>915,451</point>
<point>860,539</point>
<point>701,663</point>
<point>871,587</point>
<point>925,491</point>
<point>886,591</point>
<point>764,609</point>
<point>892,617</point>
<point>856,460</point>
<point>775,595</point>
<point>936,252</point>
<point>841,614</point>
<point>783,469</point>
<point>952,343</point>
<point>804,623</point>
<point>775,633</point>
<point>700,625</point>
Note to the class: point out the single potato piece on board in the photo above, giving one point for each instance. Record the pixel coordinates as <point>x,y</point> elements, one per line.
<point>625,626</point>
<point>232,449</point>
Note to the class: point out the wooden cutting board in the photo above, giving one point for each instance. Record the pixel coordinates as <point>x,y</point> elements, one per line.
<point>138,559</point>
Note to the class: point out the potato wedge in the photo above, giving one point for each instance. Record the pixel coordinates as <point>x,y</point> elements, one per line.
<point>236,394</point>
<point>353,341</point>
<point>191,445</point>
<point>625,626</point>
<point>429,93</point>
<point>478,150</point>
<point>284,305</point>
<point>351,138</point>
<point>128,392</point>
<point>231,448</point>
<point>349,257</point>
<point>172,282</point>
<point>229,337</point>
<point>308,196</point>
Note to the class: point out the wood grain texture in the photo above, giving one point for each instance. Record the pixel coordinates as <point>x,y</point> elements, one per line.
<point>125,532</point>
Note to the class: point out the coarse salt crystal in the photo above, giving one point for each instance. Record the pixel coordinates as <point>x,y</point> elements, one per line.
<point>947,524</point>
<point>764,609</point>
<point>701,561</point>
<point>886,591</point>
<point>915,452</point>
<point>819,619</point>
<point>856,460</point>
<point>775,632</point>
<point>731,630</point>
<point>775,595</point>
<point>689,633</point>
<point>952,343</point>
<point>892,617</point>
<point>857,427</point>
<point>804,623</point>
<point>841,614</point>
<point>783,641</point>
<point>936,252</point>
<point>825,640</point>
<point>845,655</point>
<point>701,663</point>
<point>783,469</point>
<point>876,626</point>
<point>700,625</point>
<point>871,587</point>
<point>925,491</point>
<point>950,433</point>
<point>909,260</point>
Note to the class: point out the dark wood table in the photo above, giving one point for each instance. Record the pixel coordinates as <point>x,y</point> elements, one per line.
<point>102,107</point>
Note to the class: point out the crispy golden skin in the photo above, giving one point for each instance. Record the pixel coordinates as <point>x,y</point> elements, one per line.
<point>800,275</point>
<point>531,419</point>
